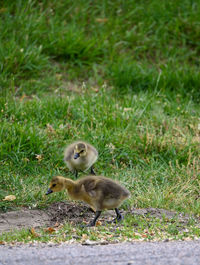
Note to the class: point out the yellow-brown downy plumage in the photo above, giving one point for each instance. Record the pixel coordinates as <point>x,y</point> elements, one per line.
<point>80,156</point>
<point>99,192</point>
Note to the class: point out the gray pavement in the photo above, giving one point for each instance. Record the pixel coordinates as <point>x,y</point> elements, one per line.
<point>140,253</point>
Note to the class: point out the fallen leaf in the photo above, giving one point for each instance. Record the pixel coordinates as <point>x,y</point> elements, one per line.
<point>101,20</point>
<point>144,236</point>
<point>56,224</point>
<point>98,223</point>
<point>127,109</point>
<point>32,231</point>
<point>9,198</point>
<point>39,157</point>
<point>84,236</point>
<point>50,230</point>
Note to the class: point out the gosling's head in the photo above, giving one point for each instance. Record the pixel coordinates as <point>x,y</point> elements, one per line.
<point>56,184</point>
<point>80,150</point>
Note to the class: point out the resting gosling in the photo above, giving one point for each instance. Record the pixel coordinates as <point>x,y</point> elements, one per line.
<point>98,191</point>
<point>80,156</point>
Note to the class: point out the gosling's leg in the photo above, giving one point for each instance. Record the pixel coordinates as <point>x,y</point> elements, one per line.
<point>119,216</point>
<point>93,222</point>
<point>92,171</point>
<point>76,173</point>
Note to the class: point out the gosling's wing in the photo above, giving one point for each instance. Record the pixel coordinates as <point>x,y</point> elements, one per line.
<point>92,149</point>
<point>90,185</point>
<point>112,189</point>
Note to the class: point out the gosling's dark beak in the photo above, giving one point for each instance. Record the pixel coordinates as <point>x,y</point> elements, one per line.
<point>49,191</point>
<point>76,155</point>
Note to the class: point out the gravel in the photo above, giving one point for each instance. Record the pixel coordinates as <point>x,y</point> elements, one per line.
<point>140,253</point>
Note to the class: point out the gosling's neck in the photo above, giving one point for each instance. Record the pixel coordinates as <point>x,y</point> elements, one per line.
<point>68,183</point>
<point>73,188</point>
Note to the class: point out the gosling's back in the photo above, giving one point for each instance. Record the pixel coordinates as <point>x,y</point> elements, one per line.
<point>107,186</point>
<point>104,193</point>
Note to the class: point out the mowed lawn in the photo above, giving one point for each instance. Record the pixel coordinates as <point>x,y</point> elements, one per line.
<point>122,75</point>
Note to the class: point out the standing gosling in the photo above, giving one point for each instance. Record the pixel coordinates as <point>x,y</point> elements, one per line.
<point>80,156</point>
<point>99,192</point>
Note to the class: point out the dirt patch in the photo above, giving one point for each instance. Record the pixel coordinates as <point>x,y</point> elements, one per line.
<point>21,219</point>
<point>56,213</point>
<point>70,212</point>
<point>75,213</point>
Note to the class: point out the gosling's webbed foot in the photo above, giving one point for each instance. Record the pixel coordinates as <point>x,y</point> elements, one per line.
<point>118,219</point>
<point>93,222</point>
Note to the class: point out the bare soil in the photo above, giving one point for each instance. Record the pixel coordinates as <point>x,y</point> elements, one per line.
<point>74,213</point>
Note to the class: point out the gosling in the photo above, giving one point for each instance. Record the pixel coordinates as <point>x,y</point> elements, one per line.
<point>80,156</point>
<point>99,192</point>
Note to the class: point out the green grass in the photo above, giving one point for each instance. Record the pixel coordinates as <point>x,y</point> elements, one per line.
<point>125,42</point>
<point>135,228</point>
<point>140,141</point>
<point>122,75</point>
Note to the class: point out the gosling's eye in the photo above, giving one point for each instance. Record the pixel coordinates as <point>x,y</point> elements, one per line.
<point>81,151</point>
<point>53,185</point>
